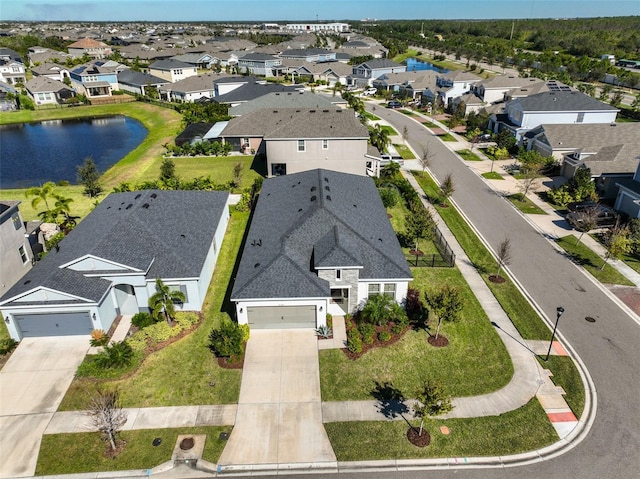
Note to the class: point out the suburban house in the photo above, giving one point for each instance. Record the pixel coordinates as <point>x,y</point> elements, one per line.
<point>96,79</point>
<point>251,90</point>
<point>301,139</point>
<point>496,89</point>
<point>190,89</point>
<point>260,64</point>
<point>415,84</point>
<point>198,60</point>
<point>375,68</point>
<point>172,70</point>
<point>454,84</point>
<point>311,55</point>
<point>88,46</point>
<point>45,91</point>
<point>107,266</point>
<point>610,150</point>
<point>12,69</point>
<point>288,99</point>
<point>51,70</point>
<point>628,197</point>
<point>139,83</point>
<point>332,73</point>
<point>552,107</point>
<point>320,242</point>
<point>15,255</point>
<point>42,55</point>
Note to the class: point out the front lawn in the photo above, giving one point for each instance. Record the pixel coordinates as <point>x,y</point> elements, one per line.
<point>566,375</point>
<point>631,259</point>
<point>446,137</point>
<point>84,452</point>
<point>492,175</point>
<point>468,155</point>
<point>592,262</point>
<point>390,130</point>
<point>474,362</point>
<point>181,373</point>
<point>525,205</point>
<point>521,313</point>
<point>404,151</point>
<point>525,429</point>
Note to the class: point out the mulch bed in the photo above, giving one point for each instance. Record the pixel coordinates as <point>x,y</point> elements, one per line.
<point>416,439</point>
<point>227,363</point>
<point>440,342</point>
<point>496,279</point>
<point>376,342</point>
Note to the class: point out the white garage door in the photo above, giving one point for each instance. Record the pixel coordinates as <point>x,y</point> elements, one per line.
<point>282,317</point>
<point>55,324</point>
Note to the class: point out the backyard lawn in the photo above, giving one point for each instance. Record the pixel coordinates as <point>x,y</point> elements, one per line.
<point>181,374</point>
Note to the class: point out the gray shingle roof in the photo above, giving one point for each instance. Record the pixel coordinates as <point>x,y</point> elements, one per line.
<point>298,99</point>
<point>562,101</point>
<point>45,84</point>
<point>167,232</point>
<point>251,91</point>
<point>376,63</point>
<point>169,64</point>
<point>132,77</point>
<point>316,217</point>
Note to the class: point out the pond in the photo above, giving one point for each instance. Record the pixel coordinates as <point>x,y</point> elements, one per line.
<point>34,153</point>
<point>413,64</point>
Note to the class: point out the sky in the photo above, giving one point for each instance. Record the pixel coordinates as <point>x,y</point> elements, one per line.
<point>309,10</point>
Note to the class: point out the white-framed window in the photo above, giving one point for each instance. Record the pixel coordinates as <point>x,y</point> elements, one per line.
<point>580,117</point>
<point>374,288</point>
<point>178,71</point>
<point>390,289</point>
<point>338,275</point>
<point>325,144</point>
<point>183,289</point>
<point>23,254</point>
<point>301,145</point>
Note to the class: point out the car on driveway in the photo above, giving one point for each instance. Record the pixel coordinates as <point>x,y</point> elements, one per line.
<point>604,216</point>
<point>370,91</point>
<point>394,104</point>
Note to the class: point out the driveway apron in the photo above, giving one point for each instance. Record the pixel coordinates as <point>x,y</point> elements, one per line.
<point>32,385</point>
<point>279,418</point>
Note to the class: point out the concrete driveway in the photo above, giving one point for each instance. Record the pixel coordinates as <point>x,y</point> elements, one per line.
<point>279,418</point>
<point>32,385</point>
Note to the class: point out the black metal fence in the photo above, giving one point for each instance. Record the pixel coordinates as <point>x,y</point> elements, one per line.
<point>444,259</point>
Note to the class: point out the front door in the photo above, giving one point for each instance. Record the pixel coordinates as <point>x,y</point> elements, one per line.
<point>340,298</point>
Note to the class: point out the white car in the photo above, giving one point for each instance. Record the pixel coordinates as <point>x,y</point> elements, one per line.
<point>370,91</point>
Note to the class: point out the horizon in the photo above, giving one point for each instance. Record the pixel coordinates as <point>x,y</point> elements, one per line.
<point>308,11</point>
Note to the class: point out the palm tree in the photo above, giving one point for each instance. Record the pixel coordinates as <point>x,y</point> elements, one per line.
<point>162,301</point>
<point>40,193</point>
<point>378,309</point>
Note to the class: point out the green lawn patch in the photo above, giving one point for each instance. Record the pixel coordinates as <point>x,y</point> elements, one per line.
<point>566,375</point>
<point>492,175</point>
<point>447,137</point>
<point>525,205</point>
<point>181,374</point>
<point>220,168</point>
<point>408,112</point>
<point>429,124</point>
<point>468,155</point>
<point>370,116</point>
<point>390,131</point>
<point>84,452</point>
<point>592,262</point>
<point>404,151</point>
<point>474,362</point>
<point>525,429</point>
<point>521,313</point>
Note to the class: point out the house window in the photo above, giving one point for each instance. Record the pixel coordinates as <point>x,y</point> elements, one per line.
<point>390,289</point>
<point>17,224</point>
<point>374,288</point>
<point>338,275</point>
<point>301,145</point>
<point>278,169</point>
<point>182,288</point>
<point>580,117</point>
<point>325,144</point>
<point>23,254</point>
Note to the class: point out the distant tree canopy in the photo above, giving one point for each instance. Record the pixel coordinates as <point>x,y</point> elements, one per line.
<point>203,112</point>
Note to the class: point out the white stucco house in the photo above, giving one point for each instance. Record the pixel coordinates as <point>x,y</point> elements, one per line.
<point>319,242</point>
<point>107,266</point>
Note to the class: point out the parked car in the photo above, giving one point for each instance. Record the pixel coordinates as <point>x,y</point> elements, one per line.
<point>370,91</point>
<point>394,104</point>
<point>605,217</point>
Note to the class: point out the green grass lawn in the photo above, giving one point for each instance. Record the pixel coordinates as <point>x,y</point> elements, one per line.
<point>632,260</point>
<point>592,262</point>
<point>180,374</point>
<point>474,362</point>
<point>521,313</point>
<point>429,124</point>
<point>370,116</point>
<point>446,137</point>
<point>84,452</point>
<point>220,168</point>
<point>492,175</point>
<point>524,429</point>
<point>565,374</point>
<point>404,151</point>
<point>390,131</point>
<point>525,205</point>
<point>468,155</point>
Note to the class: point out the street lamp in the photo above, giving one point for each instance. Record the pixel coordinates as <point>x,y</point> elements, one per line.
<point>559,311</point>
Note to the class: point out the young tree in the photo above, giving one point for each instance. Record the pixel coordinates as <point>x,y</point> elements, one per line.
<point>425,157</point>
<point>167,169</point>
<point>162,302</point>
<point>447,188</point>
<point>617,242</point>
<point>420,224</point>
<point>106,415</point>
<point>446,303</point>
<point>88,176</point>
<point>431,400</point>
<point>405,133</point>
<point>588,221</point>
<point>504,255</point>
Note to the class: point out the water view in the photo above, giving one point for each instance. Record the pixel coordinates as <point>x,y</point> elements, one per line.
<point>413,64</point>
<point>34,153</point>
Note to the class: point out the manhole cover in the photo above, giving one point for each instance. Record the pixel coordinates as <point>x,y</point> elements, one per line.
<point>590,319</point>
<point>157,441</point>
<point>187,443</point>
<point>224,436</point>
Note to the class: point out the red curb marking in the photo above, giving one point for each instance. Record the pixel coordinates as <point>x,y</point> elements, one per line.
<point>560,349</point>
<point>561,416</point>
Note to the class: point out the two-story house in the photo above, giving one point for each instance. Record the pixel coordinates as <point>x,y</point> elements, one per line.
<point>12,68</point>
<point>172,70</point>
<point>365,73</point>
<point>96,79</point>
<point>454,84</point>
<point>88,46</point>
<point>320,242</point>
<point>311,55</point>
<point>15,255</point>
<point>260,64</point>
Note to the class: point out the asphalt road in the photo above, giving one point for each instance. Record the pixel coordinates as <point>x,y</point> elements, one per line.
<point>610,347</point>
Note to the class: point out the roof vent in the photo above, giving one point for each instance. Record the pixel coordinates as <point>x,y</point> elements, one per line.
<point>355,206</point>
<point>328,197</point>
<point>137,196</point>
<point>154,196</point>
<point>327,188</point>
<point>326,179</point>
<point>299,210</point>
<point>313,198</point>
<point>27,281</point>
<point>313,188</point>
<point>146,206</point>
<point>129,206</point>
<point>182,236</point>
<point>256,265</point>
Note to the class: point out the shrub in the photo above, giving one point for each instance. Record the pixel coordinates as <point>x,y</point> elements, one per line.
<point>354,343</point>
<point>246,332</point>
<point>324,331</point>
<point>138,342</point>
<point>384,336</point>
<point>160,331</point>
<point>398,328</point>
<point>142,320</point>
<point>186,319</point>
<point>7,345</point>
<point>368,332</point>
<point>98,338</point>
<point>226,342</point>
<point>115,355</point>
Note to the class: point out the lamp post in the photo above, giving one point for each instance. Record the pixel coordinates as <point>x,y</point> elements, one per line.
<point>559,311</point>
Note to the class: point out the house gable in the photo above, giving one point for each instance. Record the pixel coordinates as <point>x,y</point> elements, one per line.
<point>93,264</point>
<point>46,295</point>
